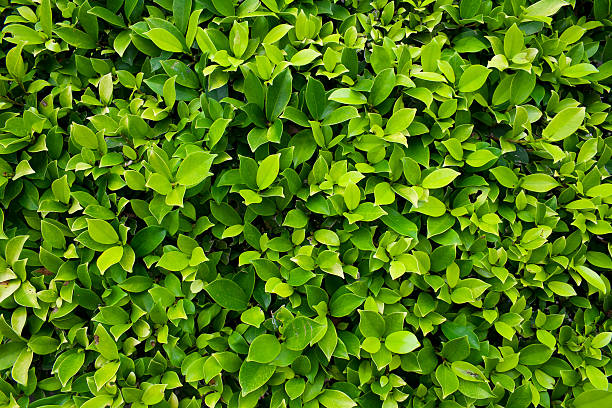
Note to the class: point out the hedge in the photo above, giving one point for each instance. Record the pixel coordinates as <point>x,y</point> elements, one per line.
<point>324,203</point>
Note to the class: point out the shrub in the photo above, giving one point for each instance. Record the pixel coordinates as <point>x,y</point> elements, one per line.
<point>305,203</point>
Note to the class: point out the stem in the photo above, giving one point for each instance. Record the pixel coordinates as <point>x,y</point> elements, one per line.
<point>6,98</point>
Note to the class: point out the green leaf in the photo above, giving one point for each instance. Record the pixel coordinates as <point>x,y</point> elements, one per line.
<point>277,33</point>
<point>154,394</point>
<point>520,398</point>
<point>216,131</point>
<point>401,342</point>
<point>101,401</point>
<point>15,64</point>
<point>300,332</point>
<point>295,219</point>
<point>228,294</point>
<point>295,387</point>
<point>371,324</point>
<point>268,171</point>
<point>43,345</point>
<point>602,339</point>
<point>535,354</point>
<point>593,399</point>
<point>469,8</point>
<point>84,136</point>
<point>105,373</point>
<point>505,176</point>
<point>473,78</point>
<point>136,284</point>
<point>468,371</point>
<point>69,365</point>
<point>336,399</point>
<point>173,261</point>
<point>52,234</point>
<point>22,364</point>
<point>169,92</point>
<point>513,41</point>
<point>184,75</point>
<point>75,37</point>
<point>101,231</point>
<point>304,57</point>
<point>564,124</point>
<point>315,96</point>
<point>341,115</point>
<point>561,288</point>
<point>440,178</point>
<point>327,237</point>
<point>592,277</point>
<point>105,344</point>
<point>278,94</point>
<point>107,15</point>
<point>46,17</point>
<point>253,316</point>
<point>264,349</point>
<point>195,168</point>
<point>109,257</point>
<point>165,40</point>
<point>147,240</point>
<point>181,10</point>
<point>347,96</point>
<point>9,353</point>
<point>447,379</point>
<point>382,86</point>
<point>579,70</point>
<point>224,7</point>
<point>239,38</point>
<point>383,194</point>
<point>400,120</point>
<point>540,183</point>
<point>544,8</point>
<point>352,196</point>
<point>401,224</point>
<point>480,158</point>
<point>254,375</point>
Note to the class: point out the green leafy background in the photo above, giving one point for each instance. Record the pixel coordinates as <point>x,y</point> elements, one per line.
<point>328,203</point>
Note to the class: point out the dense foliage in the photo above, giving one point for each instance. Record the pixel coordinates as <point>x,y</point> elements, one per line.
<point>336,203</point>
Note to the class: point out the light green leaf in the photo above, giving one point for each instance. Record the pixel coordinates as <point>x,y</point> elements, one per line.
<point>540,183</point>
<point>195,168</point>
<point>254,375</point>
<point>327,237</point>
<point>440,178</point>
<point>20,369</point>
<point>473,78</point>
<point>505,176</point>
<point>304,57</point>
<point>264,349</point>
<point>268,171</point>
<point>401,342</point>
<point>400,120</point>
<point>564,124</point>
<point>561,288</point>
<point>513,41</point>
<point>164,40</point>
<point>347,96</point>
<point>109,257</point>
<point>277,33</point>
<point>331,398</point>
<point>447,379</point>
<point>101,231</point>
<point>84,136</point>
